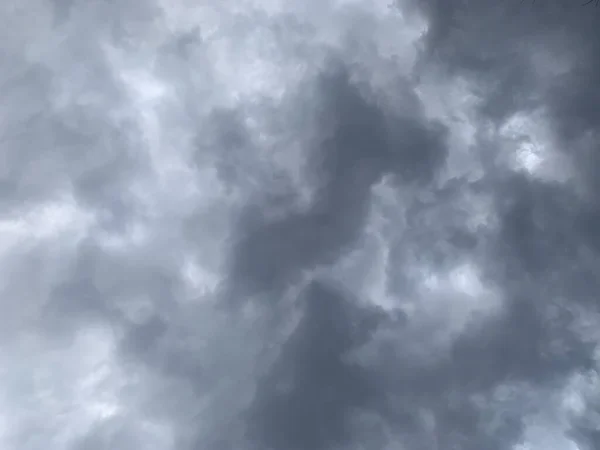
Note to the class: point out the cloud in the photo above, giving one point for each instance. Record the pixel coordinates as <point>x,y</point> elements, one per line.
<point>278,226</point>
<point>361,146</point>
<point>305,399</point>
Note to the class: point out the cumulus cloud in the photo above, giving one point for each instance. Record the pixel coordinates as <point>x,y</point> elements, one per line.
<point>269,225</point>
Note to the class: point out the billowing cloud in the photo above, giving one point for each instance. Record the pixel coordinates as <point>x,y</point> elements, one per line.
<point>269,225</point>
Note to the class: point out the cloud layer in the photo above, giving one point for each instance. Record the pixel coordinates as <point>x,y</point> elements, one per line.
<point>269,225</point>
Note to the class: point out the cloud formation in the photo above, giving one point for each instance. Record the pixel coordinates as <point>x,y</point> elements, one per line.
<point>269,225</point>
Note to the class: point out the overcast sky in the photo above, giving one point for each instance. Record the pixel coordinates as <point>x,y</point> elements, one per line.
<point>299,225</point>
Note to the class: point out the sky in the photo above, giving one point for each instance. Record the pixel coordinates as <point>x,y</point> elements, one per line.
<point>299,225</point>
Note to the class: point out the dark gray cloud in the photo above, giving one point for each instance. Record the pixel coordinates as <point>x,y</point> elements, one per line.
<point>362,145</point>
<point>305,400</point>
<point>290,226</point>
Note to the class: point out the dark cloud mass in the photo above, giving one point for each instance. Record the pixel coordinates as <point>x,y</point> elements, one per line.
<point>270,225</point>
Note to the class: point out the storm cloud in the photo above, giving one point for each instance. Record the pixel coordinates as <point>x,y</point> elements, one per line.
<point>270,225</point>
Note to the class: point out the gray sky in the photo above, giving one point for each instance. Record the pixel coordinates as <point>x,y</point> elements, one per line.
<point>299,225</point>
